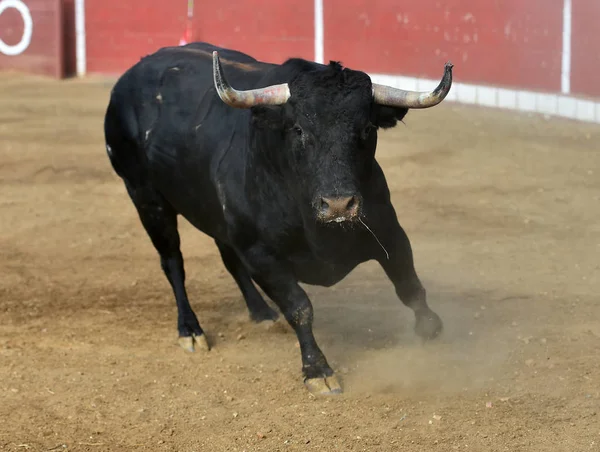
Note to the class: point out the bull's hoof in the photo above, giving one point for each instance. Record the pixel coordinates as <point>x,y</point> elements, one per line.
<point>428,326</point>
<point>193,343</point>
<point>323,386</point>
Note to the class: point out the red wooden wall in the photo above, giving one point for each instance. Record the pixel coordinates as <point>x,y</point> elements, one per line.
<point>269,30</point>
<point>68,15</point>
<point>508,43</point>
<point>511,43</point>
<point>44,55</point>
<point>119,32</point>
<point>585,61</point>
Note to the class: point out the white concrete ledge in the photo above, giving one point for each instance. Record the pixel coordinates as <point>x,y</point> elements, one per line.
<point>559,105</point>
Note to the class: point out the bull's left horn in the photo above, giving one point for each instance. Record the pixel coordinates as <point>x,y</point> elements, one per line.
<point>394,97</point>
<point>270,95</point>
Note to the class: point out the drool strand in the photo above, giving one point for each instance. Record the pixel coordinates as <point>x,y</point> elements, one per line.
<point>373,234</point>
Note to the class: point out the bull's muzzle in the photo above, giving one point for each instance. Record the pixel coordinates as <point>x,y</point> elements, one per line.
<point>338,209</point>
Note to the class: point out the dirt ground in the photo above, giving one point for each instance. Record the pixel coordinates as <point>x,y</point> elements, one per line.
<point>503,211</point>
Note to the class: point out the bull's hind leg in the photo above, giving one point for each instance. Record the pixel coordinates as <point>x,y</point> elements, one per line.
<point>401,271</point>
<point>160,221</point>
<point>257,307</point>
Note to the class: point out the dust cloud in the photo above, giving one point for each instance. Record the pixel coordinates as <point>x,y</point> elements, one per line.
<point>367,334</point>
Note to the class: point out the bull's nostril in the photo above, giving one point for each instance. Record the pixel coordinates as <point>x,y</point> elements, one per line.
<point>323,205</point>
<point>351,203</point>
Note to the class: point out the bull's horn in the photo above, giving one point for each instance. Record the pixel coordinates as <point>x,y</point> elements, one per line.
<point>270,95</point>
<point>394,97</point>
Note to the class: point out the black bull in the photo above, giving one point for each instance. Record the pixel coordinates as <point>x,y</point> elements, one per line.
<point>284,178</point>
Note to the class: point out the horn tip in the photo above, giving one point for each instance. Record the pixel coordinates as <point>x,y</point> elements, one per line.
<point>448,66</point>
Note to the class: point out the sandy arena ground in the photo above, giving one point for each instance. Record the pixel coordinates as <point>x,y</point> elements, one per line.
<point>503,211</point>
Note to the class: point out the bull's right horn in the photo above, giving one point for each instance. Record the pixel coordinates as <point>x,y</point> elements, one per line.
<point>270,95</point>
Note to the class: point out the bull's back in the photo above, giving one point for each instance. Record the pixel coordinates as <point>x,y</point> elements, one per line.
<point>166,127</point>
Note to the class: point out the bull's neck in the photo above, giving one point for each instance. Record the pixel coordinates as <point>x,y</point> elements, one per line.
<point>265,167</point>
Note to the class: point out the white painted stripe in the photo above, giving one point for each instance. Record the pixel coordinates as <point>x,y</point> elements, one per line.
<point>319,39</point>
<point>507,99</point>
<point>567,105</point>
<point>526,101</point>
<point>546,103</point>
<point>585,110</point>
<point>80,43</point>
<point>566,49</point>
<point>489,96</point>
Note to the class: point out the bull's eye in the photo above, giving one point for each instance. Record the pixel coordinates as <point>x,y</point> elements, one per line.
<point>298,130</point>
<point>367,131</point>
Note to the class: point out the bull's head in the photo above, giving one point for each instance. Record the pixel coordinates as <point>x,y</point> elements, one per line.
<point>329,117</point>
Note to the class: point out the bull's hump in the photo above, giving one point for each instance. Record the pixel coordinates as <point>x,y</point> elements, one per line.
<point>227,62</point>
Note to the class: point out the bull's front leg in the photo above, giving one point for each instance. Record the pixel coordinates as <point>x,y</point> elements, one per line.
<point>283,288</point>
<point>398,264</point>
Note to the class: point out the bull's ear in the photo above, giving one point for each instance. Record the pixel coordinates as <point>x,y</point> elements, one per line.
<point>387,117</point>
<point>267,117</point>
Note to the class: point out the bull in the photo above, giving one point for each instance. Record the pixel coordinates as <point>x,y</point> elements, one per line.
<point>276,163</point>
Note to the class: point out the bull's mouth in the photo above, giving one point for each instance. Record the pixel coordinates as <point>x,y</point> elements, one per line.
<point>339,220</point>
